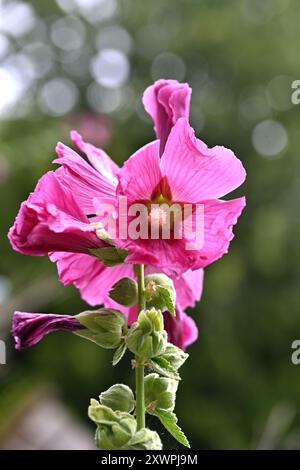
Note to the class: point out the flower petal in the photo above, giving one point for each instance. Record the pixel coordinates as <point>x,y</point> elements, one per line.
<point>194,171</point>
<point>219,219</point>
<point>166,101</point>
<point>141,174</point>
<point>82,179</point>
<point>93,279</point>
<point>50,220</point>
<point>182,330</point>
<point>189,288</point>
<point>97,157</point>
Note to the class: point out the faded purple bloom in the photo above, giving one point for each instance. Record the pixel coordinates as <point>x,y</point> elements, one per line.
<point>29,328</point>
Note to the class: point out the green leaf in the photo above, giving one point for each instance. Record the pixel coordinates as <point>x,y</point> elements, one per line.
<point>167,299</point>
<point>163,367</point>
<point>119,353</point>
<point>169,421</point>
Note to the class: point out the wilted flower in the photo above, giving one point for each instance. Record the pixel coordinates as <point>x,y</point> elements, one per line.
<point>29,328</point>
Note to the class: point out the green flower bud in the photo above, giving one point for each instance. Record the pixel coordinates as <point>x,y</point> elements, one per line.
<point>118,397</point>
<point>175,356</point>
<point>160,292</point>
<point>160,393</point>
<point>114,428</point>
<point>146,337</point>
<point>105,327</point>
<point>145,439</point>
<point>125,292</point>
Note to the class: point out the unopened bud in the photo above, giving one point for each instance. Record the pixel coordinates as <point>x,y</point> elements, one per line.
<point>160,393</point>
<point>114,428</point>
<point>146,337</point>
<point>125,292</point>
<point>119,397</point>
<point>145,439</point>
<point>160,292</point>
<point>105,327</point>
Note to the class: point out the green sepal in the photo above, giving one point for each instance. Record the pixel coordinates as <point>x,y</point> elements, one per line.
<point>110,255</point>
<point>119,353</point>
<point>163,367</point>
<point>175,356</point>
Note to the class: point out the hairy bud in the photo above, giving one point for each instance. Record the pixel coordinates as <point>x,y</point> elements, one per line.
<point>114,428</point>
<point>118,397</point>
<point>160,393</point>
<point>147,337</point>
<point>105,327</point>
<point>125,292</point>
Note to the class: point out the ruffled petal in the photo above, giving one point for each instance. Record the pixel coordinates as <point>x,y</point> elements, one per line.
<point>97,157</point>
<point>93,279</point>
<point>189,288</point>
<point>166,101</point>
<point>51,220</point>
<point>219,219</point>
<point>82,179</point>
<point>195,172</point>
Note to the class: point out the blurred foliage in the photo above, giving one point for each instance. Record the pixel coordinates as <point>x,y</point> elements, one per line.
<point>229,52</point>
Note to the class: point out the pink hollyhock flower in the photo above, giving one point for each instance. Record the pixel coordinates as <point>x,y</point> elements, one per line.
<point>30,328</point>
<point>166,101</point>
<point>187,173</point>
<point>50,220</point>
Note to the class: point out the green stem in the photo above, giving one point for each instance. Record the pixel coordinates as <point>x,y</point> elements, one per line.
<point>139,370</point>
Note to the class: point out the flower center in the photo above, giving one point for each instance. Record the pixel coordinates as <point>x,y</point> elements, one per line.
<point>158,216</point>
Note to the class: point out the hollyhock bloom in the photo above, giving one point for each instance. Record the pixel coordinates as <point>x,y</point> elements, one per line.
<point>166,101</point>
<point>50,220</point>
<point>30,328</point>
<point>187,173</point>
<point>56,218</point>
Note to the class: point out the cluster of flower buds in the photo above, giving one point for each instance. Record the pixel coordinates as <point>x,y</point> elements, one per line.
<point>117,430</point>
<point>114,414</point>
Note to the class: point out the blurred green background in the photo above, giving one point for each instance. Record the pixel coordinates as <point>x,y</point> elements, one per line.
<point>84,64</point>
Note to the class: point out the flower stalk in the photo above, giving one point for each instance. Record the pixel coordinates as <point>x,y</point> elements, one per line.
<point>139,369</point>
